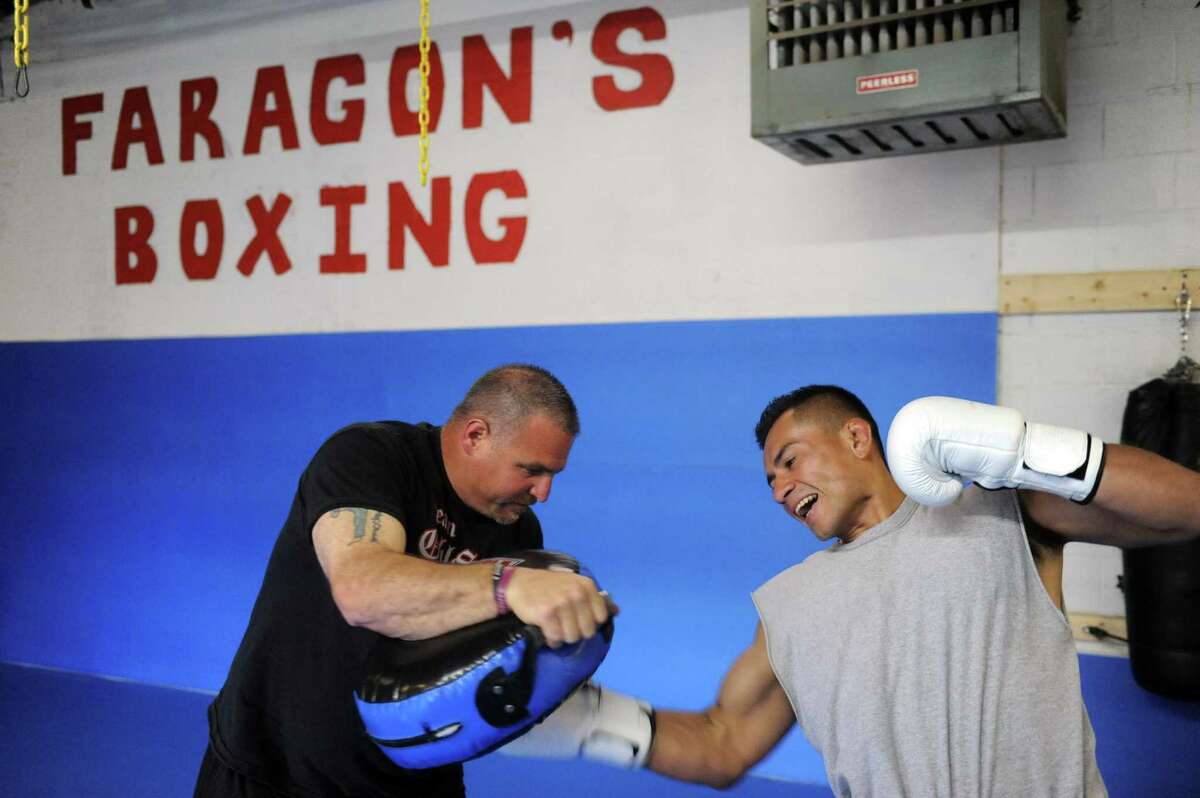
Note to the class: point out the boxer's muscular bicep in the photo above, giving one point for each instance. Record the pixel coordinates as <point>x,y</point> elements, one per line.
<point>719,745</point>
<point>754,704</point>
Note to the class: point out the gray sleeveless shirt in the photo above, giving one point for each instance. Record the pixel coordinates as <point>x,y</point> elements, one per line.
<point>926,658</point>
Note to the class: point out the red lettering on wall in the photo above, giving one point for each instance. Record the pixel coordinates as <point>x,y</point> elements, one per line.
<point>513,92</point>
<point>342,199</point>
<point>136,261</point>
<point>75,131</point>
<point>432,235</point>
<point>563,31</point>
<point>197,98</point>
<point>505,248</point>
<point>657,74</point>
<point>325,129</point>
<point>201,265</point>
<point>270,83</point>
<point>404,61</point>
<point>266,235</point>
<point>136,126</point>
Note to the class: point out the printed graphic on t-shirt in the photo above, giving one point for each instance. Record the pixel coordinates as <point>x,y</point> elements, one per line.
<point>435,542</point>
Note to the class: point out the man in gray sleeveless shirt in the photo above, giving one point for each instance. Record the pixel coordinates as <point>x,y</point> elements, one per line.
<point>925,652</point>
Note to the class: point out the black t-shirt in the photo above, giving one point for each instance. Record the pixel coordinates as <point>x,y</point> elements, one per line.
<point>286,714</point>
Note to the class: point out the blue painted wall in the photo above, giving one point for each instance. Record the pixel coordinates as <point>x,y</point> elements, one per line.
<point>146,480</point>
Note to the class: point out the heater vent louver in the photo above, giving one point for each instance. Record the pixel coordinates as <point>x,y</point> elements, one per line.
<point>853,79</point>
<point>810,32</point>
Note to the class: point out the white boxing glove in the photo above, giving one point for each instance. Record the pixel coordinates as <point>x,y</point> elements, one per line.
<point>937,442</point>
<point>595,723</point>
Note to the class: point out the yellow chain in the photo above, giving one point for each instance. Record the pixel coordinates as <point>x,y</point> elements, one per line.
<point>423,113</point>
<point>21,33</point>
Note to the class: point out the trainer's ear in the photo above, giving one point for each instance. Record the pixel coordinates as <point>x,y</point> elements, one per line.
<point>476,434</point>
<point>858,435</point>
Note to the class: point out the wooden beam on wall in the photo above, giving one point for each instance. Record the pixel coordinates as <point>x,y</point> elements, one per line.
<point>1113,624</point>
<point>1086,292</point>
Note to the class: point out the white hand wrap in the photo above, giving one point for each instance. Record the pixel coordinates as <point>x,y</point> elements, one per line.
<point>937,442</point>
<point>594,723</point>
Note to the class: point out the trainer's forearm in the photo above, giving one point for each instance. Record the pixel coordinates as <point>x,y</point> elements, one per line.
<point>695,746</point>
<point>403,596</point>
<point>1152,492</point>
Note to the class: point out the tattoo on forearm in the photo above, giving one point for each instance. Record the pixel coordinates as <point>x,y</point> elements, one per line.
<point>376,523</point>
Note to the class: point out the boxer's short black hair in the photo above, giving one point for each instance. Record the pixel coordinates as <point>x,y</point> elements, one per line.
<point>842,402</point>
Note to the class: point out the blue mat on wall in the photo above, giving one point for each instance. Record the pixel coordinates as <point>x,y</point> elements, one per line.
<point>151,477</point>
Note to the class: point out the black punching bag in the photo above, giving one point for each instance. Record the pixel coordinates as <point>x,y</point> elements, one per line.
<point>1162,583</point>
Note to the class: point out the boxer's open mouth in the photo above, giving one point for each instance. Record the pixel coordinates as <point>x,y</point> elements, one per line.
<point>805,505</point>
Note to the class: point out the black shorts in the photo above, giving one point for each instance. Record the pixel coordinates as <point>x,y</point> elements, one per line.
<point>218,780</point>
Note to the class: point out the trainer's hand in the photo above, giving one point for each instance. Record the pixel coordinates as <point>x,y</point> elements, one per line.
<point>567,607</point>
<point>937,442</point>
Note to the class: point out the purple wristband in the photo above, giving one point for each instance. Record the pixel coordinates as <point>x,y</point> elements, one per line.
<point>500,579</point>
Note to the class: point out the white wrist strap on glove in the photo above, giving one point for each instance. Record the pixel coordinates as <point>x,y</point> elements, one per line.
<point>1065,462</point>
<point>595,723</point>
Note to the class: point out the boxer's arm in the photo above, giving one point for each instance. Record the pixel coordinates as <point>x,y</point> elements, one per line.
<point>1142,500</point>
<point>377,586</point>
<point>717,746</point>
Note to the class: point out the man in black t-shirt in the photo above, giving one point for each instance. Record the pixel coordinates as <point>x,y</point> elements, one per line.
<point>387,522</point>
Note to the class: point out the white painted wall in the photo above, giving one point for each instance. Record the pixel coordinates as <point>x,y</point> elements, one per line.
<point>1121,192</point>
<point>667,212</point>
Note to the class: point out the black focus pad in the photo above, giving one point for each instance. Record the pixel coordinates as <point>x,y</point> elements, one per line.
<point>397,669</point>
<point>543,559</point>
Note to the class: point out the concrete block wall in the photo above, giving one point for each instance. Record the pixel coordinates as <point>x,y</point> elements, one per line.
<point>1121,192</point>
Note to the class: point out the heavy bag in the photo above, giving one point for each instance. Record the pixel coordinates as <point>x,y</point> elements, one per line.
<point>463,694</point>
<point>1162,583</point>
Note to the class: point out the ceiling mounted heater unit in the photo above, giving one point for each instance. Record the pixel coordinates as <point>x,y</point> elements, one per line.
<point>846,80</point>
